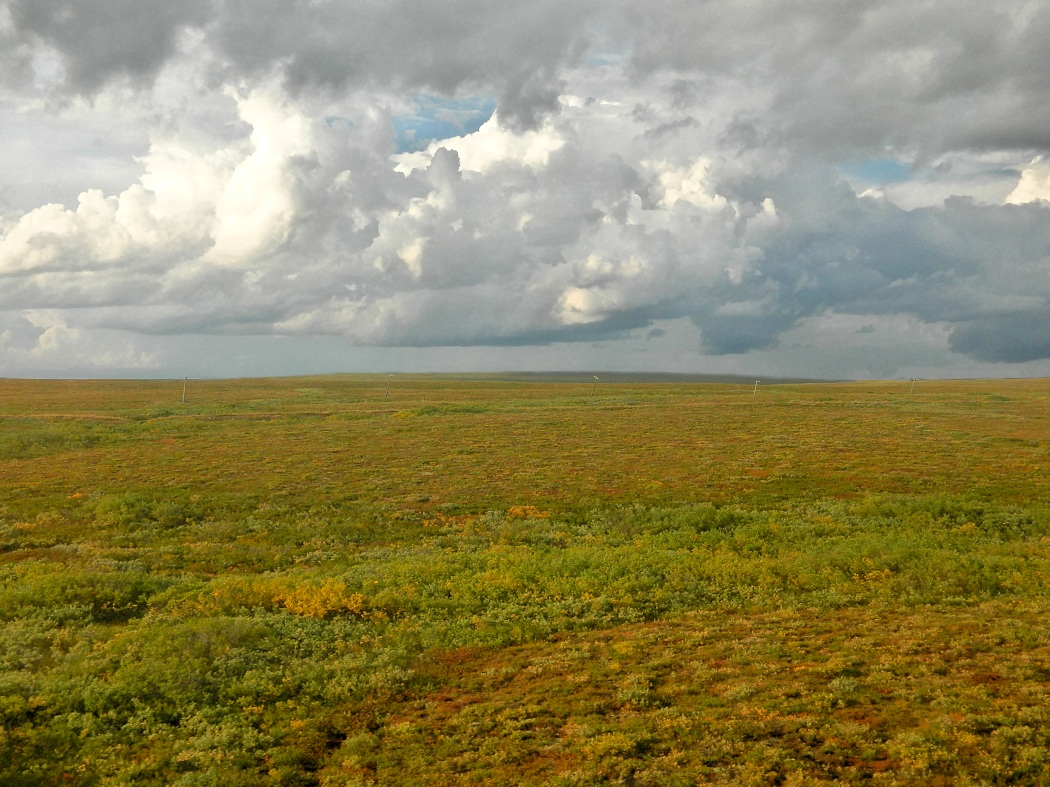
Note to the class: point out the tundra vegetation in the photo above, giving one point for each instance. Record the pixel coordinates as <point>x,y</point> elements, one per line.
<point>359,580</point>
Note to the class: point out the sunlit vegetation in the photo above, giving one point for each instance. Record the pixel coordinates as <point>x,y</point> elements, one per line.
<point>421,580</point>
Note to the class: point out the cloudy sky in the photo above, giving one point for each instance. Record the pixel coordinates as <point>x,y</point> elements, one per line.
<point>847,189</point>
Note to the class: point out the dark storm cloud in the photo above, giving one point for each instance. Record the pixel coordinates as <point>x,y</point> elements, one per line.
<point>1005,338</point>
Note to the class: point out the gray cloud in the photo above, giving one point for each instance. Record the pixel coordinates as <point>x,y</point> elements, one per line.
<point>834,251</point>
<point>103,40</point>
<point>1005,338</point>
<point>18,333</point>
<point>856,75</point>
<point>929,77</point>
<point>512,50</point>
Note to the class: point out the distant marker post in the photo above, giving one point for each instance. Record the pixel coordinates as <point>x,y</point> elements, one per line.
<point>595,385</point>
<point>912,390</point>
<point>756,387</point>
<point>184,379</point>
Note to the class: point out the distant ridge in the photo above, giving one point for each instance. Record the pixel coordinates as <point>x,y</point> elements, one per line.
<point>634,377</point>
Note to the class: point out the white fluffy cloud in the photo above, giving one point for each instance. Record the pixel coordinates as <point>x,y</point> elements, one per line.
<point>773,175</point>
<point>1034,183</point>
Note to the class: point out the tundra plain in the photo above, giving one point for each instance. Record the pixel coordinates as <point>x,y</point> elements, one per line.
<point>373,580</point>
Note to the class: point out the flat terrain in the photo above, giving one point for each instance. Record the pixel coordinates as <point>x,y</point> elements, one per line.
<point>481,580</point>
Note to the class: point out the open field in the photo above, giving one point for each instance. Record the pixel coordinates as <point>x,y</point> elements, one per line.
<point>420,579</point>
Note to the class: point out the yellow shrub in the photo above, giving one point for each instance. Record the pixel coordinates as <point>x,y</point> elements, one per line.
<point>326,600</point>
<point>315,599</point>
<point>527,512</point>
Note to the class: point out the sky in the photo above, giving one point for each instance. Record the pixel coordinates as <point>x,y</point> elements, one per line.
<point>852,189</point>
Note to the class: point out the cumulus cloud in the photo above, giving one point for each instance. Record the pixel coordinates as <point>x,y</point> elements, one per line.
<point>40,341</point>
<point>758,171</point>
<point>1034,183</point>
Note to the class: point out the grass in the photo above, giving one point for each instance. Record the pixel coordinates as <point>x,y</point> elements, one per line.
<point>417,579</point>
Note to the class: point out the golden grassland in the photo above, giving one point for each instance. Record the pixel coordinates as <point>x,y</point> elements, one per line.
<point>465,579</point>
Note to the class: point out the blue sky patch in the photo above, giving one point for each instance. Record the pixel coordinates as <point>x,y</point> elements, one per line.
<point>338,120</point>
<point>877,170</point>
<point>436,118</point>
